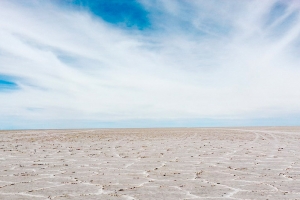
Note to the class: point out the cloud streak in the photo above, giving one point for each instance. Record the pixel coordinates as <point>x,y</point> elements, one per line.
<point>196,61</point>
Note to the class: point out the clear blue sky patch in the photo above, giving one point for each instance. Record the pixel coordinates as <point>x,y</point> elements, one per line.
<point>7,85</point>
<point>128,13</point>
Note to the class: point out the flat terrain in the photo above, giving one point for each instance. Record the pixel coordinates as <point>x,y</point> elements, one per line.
<point>186,163</point>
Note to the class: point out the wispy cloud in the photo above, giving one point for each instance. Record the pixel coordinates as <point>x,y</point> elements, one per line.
<point>218,60</point>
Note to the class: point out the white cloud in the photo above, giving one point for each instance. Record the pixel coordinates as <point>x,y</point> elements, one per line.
<point>226,64</point>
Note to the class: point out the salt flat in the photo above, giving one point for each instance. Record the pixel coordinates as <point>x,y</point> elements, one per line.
<point>185,163</point>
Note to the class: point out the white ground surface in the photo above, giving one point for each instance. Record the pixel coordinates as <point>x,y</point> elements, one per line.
<point>223,163</point>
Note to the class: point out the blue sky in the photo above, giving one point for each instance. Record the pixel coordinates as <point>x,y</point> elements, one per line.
<point>123,13</point>
<point>6,85</point>
<point>139,63</point>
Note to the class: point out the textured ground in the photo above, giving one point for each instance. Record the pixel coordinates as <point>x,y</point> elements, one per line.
<point>225,163</point>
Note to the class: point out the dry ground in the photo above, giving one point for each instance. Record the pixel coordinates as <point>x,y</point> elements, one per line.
<point>212,163</point>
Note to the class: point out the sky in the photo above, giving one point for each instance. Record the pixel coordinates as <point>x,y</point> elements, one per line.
<point>141,63</point>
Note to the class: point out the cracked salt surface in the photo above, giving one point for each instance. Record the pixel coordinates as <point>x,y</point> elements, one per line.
<point>188,163</point>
